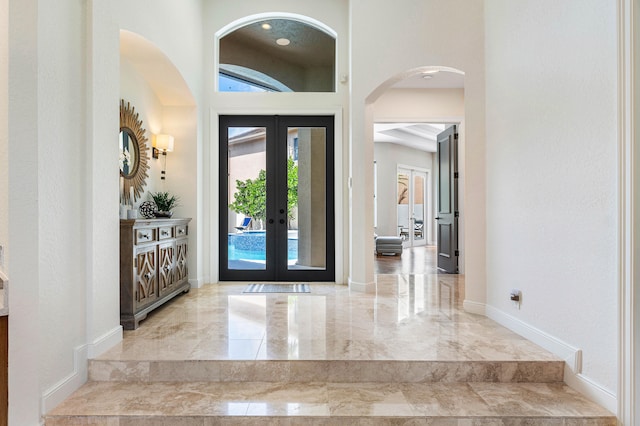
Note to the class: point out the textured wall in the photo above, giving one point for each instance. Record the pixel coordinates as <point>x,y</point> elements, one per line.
<point>551,171</point>
<point>4,127</point>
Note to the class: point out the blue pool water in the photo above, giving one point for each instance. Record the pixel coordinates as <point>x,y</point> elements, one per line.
<point>251,245</point>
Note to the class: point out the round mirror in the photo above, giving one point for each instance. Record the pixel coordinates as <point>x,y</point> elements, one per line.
<point>129,153</point>
<point>133,154</point>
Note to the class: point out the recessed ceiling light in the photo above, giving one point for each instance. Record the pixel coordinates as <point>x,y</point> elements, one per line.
<point>427,76</point>
<point>283,41</point>
<point>266,26</point>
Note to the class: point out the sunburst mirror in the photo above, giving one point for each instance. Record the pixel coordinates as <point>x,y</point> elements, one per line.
<point>133,154</point>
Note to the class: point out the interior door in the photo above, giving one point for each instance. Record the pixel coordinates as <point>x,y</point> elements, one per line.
<point>276,198</point>
<point>447,217</point>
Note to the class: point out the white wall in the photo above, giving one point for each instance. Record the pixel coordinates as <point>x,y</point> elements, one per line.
<point>183,174</point>
<point>425,105</point>
<point>135,89</point>
<point>46,200</point>
<point>4,128</point>
<point>435,33</point>
<point>551,174</point>
<point>388,157</point>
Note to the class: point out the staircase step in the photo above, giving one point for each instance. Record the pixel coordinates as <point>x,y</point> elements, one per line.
<point>323,403</point>
<point>293,371</point>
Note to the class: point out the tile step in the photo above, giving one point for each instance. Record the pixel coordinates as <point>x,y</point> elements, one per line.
<point>321,403</point>
<point>294,371</point>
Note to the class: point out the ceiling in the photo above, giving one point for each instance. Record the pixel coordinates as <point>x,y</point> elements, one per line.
<point>421,136</point>
<point>308,46</point>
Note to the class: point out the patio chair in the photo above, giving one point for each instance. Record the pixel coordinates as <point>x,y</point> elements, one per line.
<point>245,224</point>
<point>419,229</point>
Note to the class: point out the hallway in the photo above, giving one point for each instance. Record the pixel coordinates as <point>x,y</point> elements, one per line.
<point>406,353</point>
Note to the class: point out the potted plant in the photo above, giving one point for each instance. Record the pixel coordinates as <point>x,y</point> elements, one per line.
<point>165,203</point>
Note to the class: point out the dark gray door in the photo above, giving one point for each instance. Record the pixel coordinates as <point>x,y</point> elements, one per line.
<point>447,218</point>
<point>276,198</point>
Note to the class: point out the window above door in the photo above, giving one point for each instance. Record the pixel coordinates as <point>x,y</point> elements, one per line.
<point>277,55</point>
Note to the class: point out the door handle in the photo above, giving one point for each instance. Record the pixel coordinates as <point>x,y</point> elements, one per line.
<point>437,218</point>
<point>282,221</point>
<point>281,211</point>
<point>270,220</point>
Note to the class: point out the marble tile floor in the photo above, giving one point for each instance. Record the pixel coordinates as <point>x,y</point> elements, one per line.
<point>106,403</point>
<point>407,354</point>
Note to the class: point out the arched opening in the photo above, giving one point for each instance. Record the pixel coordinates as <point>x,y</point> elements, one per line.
<point>153,84</point>
<point>409,112</point>
<point>277,54</point>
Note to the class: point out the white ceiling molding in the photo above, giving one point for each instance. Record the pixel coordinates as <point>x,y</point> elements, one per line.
<point>420,136</point>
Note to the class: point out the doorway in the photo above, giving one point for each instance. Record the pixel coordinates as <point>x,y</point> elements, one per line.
<point>276,198</point>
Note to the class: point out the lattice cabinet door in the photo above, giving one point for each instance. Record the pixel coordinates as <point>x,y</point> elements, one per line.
<point>166,252</point>
<point>181,271</point>
<point>144,272</point>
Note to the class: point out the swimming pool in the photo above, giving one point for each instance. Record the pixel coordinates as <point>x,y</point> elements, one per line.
<point>251,245</point>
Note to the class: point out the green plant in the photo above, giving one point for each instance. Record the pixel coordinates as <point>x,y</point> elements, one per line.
<point>250,198</point>
<point>165,201</point>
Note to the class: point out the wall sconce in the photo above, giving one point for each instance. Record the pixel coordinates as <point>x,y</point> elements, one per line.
<point>161,145</point>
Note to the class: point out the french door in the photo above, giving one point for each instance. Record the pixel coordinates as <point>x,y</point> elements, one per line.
<point>412,206</point>
<point>276,198</point>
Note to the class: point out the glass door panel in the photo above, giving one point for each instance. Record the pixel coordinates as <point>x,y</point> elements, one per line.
<point>247,198</point>
<point>419,206</point>
<point>403,204</point>
<point>412,206</point>
<point>306,200</point>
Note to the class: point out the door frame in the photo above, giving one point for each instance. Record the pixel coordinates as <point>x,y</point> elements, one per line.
<point>211,190</point>
<point>276,129</point>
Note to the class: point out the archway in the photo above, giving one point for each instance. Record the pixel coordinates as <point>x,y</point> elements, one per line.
<point>407,112</point>
<point>155,86</point>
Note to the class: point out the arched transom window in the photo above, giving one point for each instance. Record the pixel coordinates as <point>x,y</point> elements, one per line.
<point>277,55</point>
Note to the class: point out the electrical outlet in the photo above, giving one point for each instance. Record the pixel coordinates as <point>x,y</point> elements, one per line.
<point>516,297</point>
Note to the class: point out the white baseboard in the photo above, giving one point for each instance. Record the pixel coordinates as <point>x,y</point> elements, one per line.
<point>362,287</point>
<point>572,356</point>
<point>81,354</point>
<point>591,390</point>
<point>65,387</point>
<point>474,307</point>
<point>196,282</point>
<point>105,342</point>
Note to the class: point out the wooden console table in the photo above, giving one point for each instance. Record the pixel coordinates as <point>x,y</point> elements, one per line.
<point>153,266</point>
